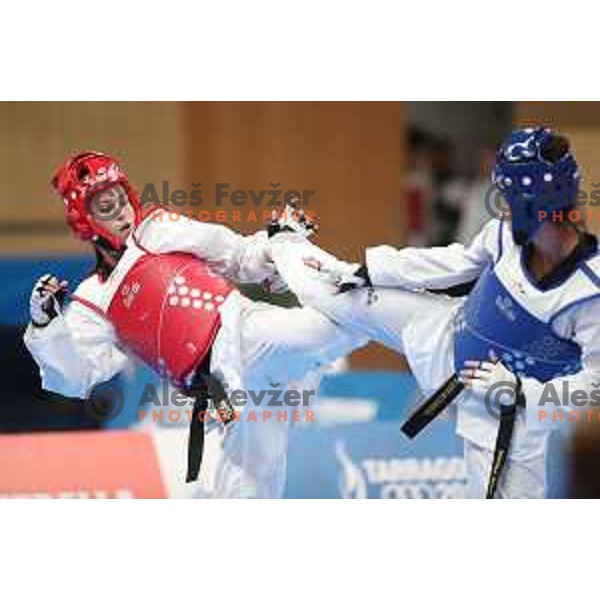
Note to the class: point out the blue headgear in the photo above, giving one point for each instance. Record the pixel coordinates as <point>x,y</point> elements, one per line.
<point>534,181</point>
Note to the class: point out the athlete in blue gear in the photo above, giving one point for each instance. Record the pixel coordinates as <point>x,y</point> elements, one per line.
<point>529,314</point>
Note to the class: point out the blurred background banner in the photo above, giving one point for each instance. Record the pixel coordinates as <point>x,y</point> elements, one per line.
<point>79,465</point>
<point>373,172</point>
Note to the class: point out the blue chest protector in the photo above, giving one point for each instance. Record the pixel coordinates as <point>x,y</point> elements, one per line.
<point>492,319</point>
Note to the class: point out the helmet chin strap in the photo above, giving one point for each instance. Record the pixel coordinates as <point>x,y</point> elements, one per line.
<point>110,240</point>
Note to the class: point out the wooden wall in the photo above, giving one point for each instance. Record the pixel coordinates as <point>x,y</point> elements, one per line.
<point>349,153</point>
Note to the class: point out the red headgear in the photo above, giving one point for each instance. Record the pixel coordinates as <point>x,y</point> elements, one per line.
<point>82,176</point>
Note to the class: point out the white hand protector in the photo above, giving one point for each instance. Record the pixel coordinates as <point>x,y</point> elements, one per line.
<point>484,376</point>
<point>45,300</point>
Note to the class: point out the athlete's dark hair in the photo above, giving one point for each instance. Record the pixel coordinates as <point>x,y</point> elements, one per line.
<point>554,148</point>
<point>106,258</point>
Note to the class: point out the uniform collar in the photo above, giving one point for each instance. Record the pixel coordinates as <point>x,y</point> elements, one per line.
<point>587,246</point>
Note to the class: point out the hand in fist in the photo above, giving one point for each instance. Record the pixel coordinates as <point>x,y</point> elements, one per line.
<point>46,298</point>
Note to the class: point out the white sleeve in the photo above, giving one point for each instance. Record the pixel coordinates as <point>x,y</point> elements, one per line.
<point>244,259</point>
<point>433,268</point>
<point>75,351</point>
<point>548,404</point>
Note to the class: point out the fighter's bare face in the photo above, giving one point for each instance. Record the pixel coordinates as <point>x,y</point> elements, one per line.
<point>111,210</point>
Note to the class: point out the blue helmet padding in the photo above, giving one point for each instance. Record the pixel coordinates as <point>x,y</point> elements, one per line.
<point>530,183</point>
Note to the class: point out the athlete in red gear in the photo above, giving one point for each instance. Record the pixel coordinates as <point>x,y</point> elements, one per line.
<point>163,290</point>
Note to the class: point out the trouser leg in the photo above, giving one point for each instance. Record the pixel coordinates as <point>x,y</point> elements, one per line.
<point>520,479</point>
<point>280,350</point>
<point>411,323</point>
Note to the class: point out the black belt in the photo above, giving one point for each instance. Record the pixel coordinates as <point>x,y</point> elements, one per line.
<point>432,407</point>
<point>442,398</point>
<point>508,416</point>
<point>203,387</point>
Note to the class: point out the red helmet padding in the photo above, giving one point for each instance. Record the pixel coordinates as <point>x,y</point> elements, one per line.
<point>85,173</point>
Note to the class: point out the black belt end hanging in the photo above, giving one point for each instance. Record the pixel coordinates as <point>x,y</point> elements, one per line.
<point>204,387</point>
<point>196,439</point>
<point>432,407</point>
<point>508,416</point>
<point>198,389</point>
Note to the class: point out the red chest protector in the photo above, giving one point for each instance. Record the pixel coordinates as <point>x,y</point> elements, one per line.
<point>165,311</point>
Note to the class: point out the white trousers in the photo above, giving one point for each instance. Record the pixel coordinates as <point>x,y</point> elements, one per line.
<point>416,324</point>
<point>520,479</point>
<point>276,349</point>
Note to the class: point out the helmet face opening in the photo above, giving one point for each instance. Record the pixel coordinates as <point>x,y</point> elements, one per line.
<point>525,220</point>
<point>537,175</point>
